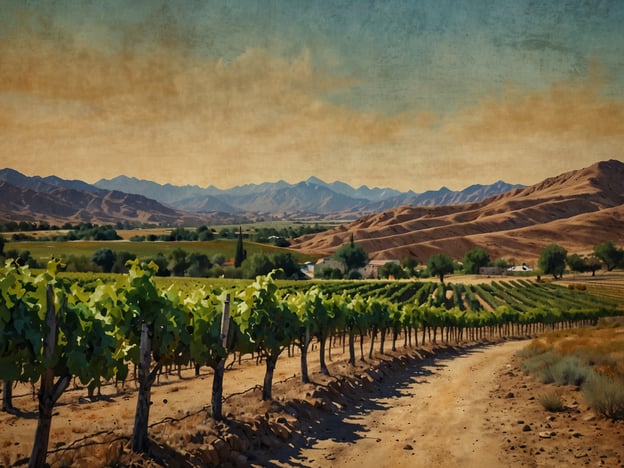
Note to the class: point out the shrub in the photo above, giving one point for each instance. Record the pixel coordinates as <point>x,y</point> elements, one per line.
<point>605,395</point>
<point>551,401</point>
<point>538,362</point>
<point>551,367</point>
<point>570,370</point>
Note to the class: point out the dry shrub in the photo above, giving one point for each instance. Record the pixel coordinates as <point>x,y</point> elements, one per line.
<point>570,370</point>
<point>551,401</point>
<point>605,395</point>
<point>552,367</point>
<point>538,362</point>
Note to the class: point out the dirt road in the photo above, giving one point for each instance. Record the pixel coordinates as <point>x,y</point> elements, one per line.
<point>434,414</point>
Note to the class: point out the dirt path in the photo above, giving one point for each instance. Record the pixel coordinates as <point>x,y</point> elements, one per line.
<point>464,406</point>
<point>435,414</point>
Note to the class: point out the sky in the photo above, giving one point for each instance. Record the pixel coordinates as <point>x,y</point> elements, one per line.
<point>410,94</point>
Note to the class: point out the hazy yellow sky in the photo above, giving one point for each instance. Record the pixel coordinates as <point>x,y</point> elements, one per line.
<point>401,94</point>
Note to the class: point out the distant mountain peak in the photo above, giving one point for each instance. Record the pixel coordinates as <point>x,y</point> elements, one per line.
<point>312,195</point>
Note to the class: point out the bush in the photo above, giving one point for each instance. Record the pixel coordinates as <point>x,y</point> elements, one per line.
<point>551,401</point>
<point>570,370</point>
<point>538,362</point>
<point>550,367</point>
<point>605,395</point>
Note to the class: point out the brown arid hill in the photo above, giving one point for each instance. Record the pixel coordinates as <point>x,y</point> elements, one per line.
<point>576,210</point>
<point>59,205</point>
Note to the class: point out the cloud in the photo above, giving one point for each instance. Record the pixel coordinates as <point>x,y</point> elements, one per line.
<point>82,106</point>
<point>576,110</point>
<point>150,104</point>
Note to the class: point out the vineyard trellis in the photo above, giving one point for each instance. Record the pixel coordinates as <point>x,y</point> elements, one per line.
<point>53,329</point>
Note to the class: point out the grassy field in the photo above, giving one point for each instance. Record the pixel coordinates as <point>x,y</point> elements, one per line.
<point>43,251</point>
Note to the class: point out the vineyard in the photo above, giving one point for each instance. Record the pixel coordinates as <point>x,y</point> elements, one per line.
<point>55,329</point>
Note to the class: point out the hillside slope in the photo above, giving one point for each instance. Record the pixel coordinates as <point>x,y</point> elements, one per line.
<point>577,210</point>
<point>56,201</point>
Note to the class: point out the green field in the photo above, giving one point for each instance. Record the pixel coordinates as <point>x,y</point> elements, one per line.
<point>44,251</point>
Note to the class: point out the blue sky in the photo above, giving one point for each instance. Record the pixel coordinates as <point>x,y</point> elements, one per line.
<point>408,94</point>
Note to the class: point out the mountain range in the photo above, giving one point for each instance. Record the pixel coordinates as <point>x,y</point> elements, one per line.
<point>58,201</point>
<point>309,198</point>
<point>126,199</point>
<point>577,210</point>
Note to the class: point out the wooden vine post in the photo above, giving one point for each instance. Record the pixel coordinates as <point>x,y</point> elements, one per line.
<point>146,379</point>
<point>217,382</point>
<point>49,392</point>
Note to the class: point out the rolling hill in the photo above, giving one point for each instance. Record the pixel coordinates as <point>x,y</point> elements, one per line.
<point>576,210</point>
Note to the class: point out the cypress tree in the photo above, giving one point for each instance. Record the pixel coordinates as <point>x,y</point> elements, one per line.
<point>240,251</point>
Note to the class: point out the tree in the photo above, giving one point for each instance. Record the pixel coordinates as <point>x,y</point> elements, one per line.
<point>583,264</point>
<point>410,264</point>
<point>2,242</point>
<point>161,262</point>
<point>121,258</point>
<point>199,264</point>
<point>502,263</point>
<point>218,259</point>
<point>104,258</point>
<point>240,255</point>
<point>331,273</point>
<point>576,263</point>
<point>552,260</point>
<point>440,265</point>
<point>178,262</point>
<point>391,269</point>
<point>287,262</point>
<point>351,255</point>
<point>204,234</point>
<point>593,264</point>
<point>475,259</point>
<point>609,254</point>
<point>258,264</point>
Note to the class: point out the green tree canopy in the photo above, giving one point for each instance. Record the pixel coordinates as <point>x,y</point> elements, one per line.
<point>475,259</point>
<point>609,254</point>
<point>583,264</point>
<point>576,263</point>
<point>501,263</point>
<point>410,264</point>
<point>287,262</point>
<point>391,269</point>
<point>240,255</point>
<point>552,260</point>
<point>440,265</point>
<point>104,258</point>
<point>257,264</point>
<point>178,262</point>
<point>351,255</point>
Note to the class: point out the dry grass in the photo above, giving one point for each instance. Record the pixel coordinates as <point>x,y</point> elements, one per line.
<point>551,401</point>
<point>589,357</point>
